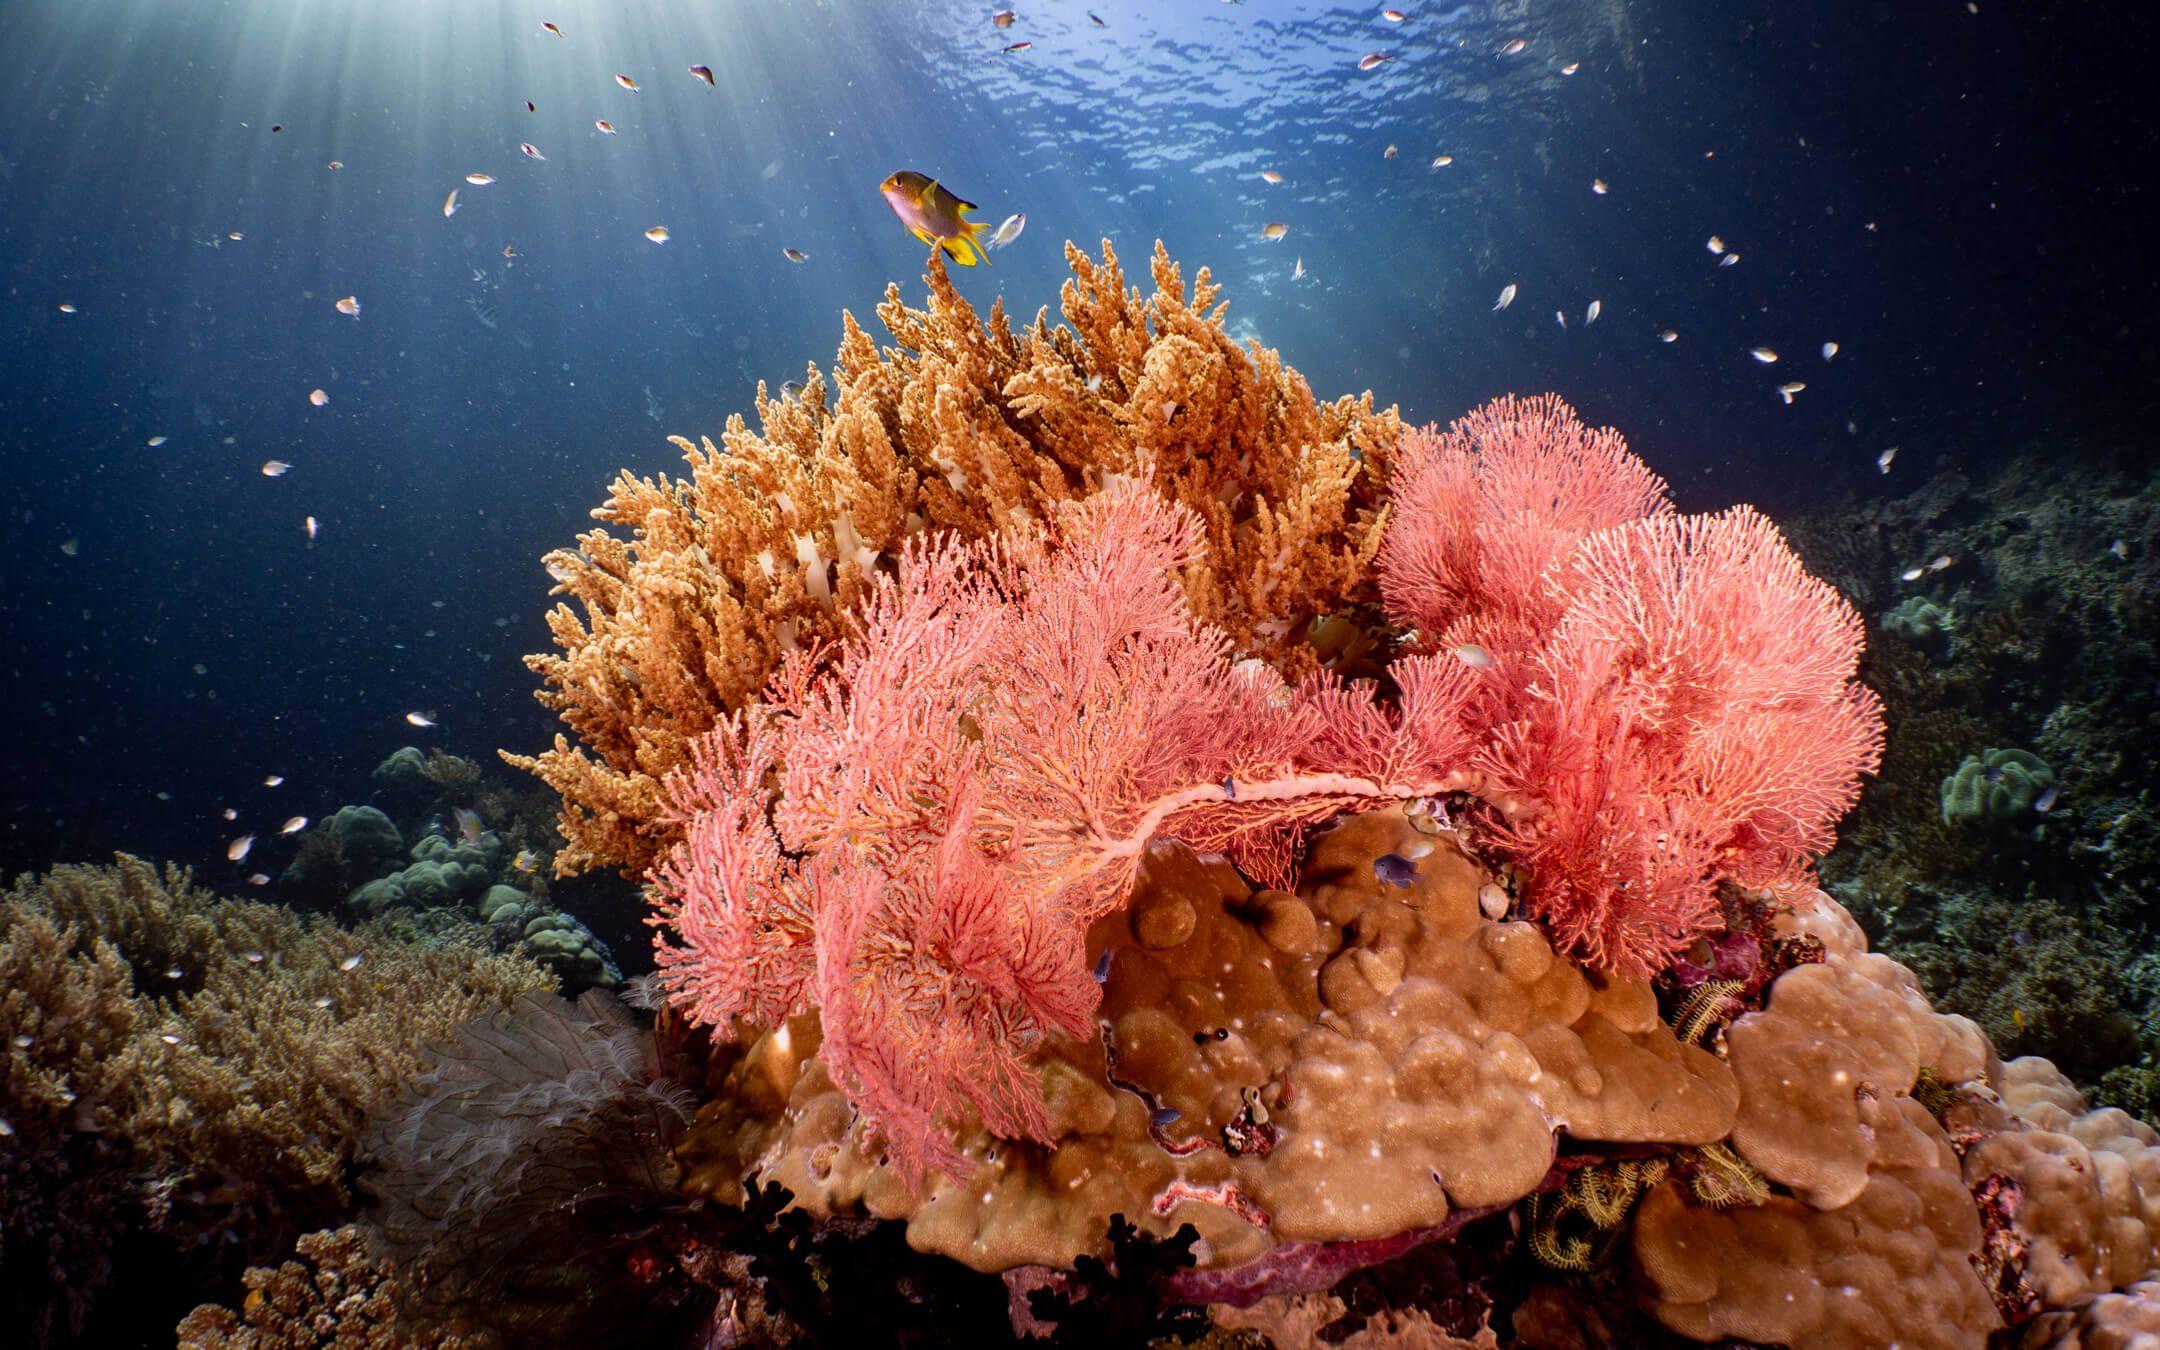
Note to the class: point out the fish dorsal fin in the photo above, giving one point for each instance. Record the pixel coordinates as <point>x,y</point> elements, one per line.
<point>930,190</point>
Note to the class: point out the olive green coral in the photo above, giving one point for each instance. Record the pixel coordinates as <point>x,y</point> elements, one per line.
<point>1920,621</point>
<point>1994,787</point>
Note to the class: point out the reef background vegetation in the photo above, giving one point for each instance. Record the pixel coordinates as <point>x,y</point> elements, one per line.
<point>186,1080</point>
<point>2015,607</point>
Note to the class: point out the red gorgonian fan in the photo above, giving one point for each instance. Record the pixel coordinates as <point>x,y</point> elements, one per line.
<point>913,830</point>
<point>1677,692</point>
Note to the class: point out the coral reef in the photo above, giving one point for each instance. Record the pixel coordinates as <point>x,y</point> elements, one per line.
<point>1418,946</point>
<point>912,834</point>
<point>477,852</point>
<point>696,587</point>
<point>182,1070</point>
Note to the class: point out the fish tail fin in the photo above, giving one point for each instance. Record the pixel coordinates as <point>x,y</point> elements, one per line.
<point>963,249</point>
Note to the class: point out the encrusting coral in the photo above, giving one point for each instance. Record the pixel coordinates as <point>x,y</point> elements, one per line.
<point>192,1068</point>
<point>695,587</point>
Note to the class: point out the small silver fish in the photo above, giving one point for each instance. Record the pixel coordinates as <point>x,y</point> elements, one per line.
<point>293,825</point>
<point>1668,335</point>
<point>1829,349</point>
<point>1789,388</point>
<point>420,719</point>
<point>1883,460</point>
<point>1009,229</point>
<point>238,848</point>
<point>1472,655</point>
<point>1589,317</point>
<point>350,963</point>
<point>2045,802</point>
<point>1766,355</point>
<point>1373,60</point>
<point>1102,967</point>
<point>2119,548</point>
<point>1163,1117</point>
<point>1507,297</point>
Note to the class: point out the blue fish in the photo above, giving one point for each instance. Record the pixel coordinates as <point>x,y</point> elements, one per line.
<point>1395,870</point>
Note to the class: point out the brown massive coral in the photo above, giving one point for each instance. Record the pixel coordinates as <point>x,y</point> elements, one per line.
<point>694,586</point>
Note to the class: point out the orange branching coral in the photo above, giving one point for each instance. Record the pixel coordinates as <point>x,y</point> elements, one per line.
<point>695,586</point>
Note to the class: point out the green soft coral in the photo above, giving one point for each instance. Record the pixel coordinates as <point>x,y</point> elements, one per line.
<point>1994,787</point>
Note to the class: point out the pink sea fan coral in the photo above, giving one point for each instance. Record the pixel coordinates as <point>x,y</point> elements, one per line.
<point>1486,509</point>
<point>913,831</point>
<point>1693,717</point>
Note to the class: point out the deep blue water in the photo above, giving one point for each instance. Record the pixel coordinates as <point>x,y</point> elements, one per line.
<point>1959,199</point>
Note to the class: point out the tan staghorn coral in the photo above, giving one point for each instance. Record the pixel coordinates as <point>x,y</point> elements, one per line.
<point>694,585</point>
